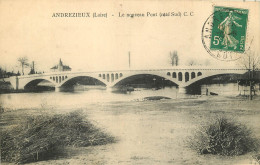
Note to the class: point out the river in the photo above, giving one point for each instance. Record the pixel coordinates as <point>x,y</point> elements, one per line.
<point>92,95</point>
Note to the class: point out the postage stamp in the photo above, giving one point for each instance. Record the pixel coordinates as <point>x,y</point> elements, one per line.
<point>229,29</point>
<point>224,33</point>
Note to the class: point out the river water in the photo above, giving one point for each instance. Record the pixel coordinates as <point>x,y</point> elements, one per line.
<point>148,132</point>
<point>93,95</point>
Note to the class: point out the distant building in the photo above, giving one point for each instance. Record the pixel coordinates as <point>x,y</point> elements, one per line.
<point>60,67</point>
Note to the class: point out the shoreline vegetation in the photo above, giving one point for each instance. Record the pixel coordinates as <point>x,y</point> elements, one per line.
<point>224,136</point>
<point>44,137</point>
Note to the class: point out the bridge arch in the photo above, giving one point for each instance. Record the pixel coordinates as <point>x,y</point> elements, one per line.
<point>32,84</point>
<point>73,80</point>
<point>187,76</point>
<point>112,77</point>
<point>204,77</point>
<point>193,75</point>
<point>174,75</point>
<point>180,76</point>
<point>142,74</point>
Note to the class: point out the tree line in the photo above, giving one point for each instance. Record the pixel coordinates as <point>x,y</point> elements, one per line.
<point>23,63</point>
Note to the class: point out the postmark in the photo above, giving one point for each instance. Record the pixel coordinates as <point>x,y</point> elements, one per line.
<point>224,33</point>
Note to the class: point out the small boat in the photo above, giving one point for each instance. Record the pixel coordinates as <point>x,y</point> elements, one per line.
<point>130,89</point>
<point>157,88</point>
<point>123,89</point>
<point>212,93</point>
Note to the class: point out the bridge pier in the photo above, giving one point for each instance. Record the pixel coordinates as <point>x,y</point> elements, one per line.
<point>182,89</point>
<point>16,83</point>
<point>57,89</point>
<point>109,88</point>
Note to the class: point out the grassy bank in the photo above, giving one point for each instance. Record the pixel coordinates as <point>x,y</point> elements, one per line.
<point>41,137</point>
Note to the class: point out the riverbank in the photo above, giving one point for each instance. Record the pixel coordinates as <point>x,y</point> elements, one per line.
<point>155,132</point>
<point>6,87</point>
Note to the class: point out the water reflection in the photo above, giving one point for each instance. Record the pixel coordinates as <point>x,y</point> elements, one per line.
<point>81,96</point>
<point>231,89</point>
<point>194,90</point>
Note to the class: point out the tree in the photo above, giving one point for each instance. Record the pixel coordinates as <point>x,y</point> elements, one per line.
<point>192,62</point>
<point>23,62</point>
<point>32,71</point>
<point>251,62</point>
<point>2,73</point>
<point>174,58</point>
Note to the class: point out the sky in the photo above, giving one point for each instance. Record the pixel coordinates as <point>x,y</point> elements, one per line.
<point>86,44</point>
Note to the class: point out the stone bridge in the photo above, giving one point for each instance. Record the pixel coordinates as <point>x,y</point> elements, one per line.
<point>181,77</point>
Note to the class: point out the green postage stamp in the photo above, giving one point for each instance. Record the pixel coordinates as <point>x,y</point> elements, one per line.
<point>229,29</point>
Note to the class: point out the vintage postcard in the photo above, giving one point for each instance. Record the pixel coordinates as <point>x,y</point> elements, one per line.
<point>130,82</point>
